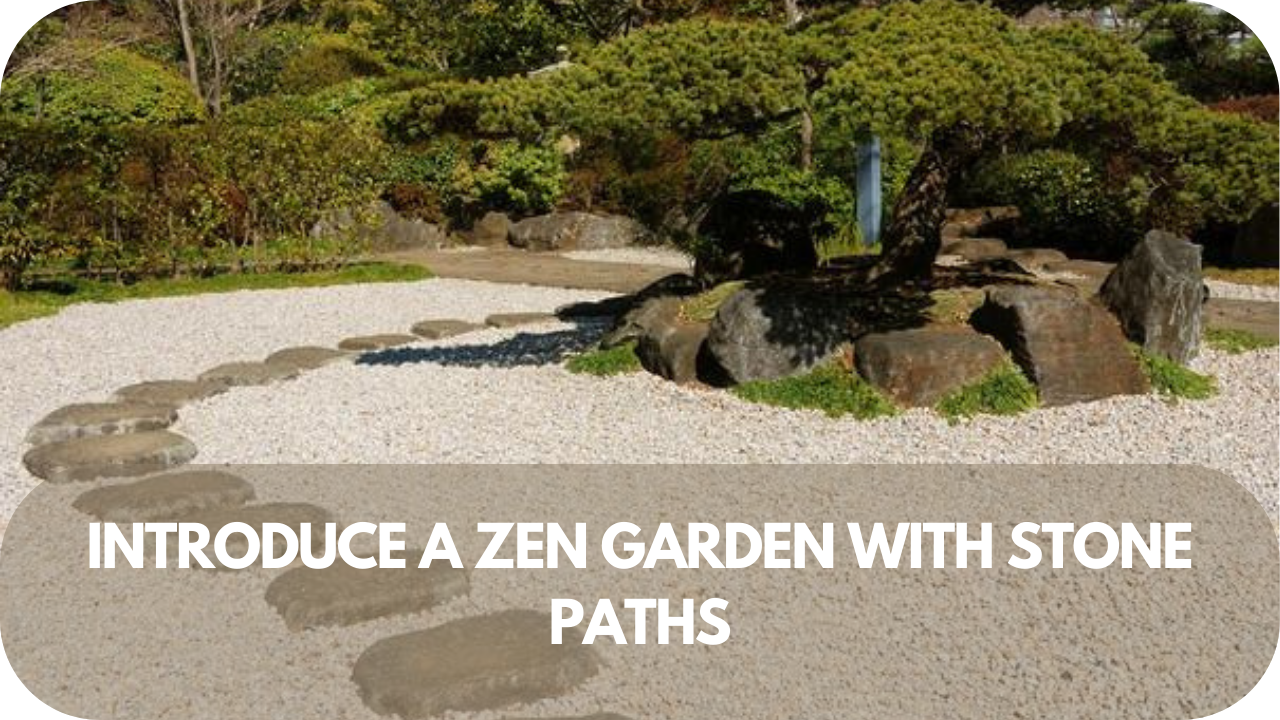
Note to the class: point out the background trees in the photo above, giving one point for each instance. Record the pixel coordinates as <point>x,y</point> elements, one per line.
<point>1098,134</point>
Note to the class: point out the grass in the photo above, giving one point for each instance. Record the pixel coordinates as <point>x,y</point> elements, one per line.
<point>703,307</point>
<point>1171,380</point>
<point>832,389</point>
<point>1237,342</point>
<point>1245,276</point>
<point>604,363</point>
<point>50,297</point>
<point>1005,391</point>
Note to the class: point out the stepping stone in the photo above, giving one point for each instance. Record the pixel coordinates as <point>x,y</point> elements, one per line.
<point>244,374</point>
<point>291,514</point>
<point>341,595</point>
<point>510,320</point>
<point>109,456</point>
<point>369,343</point>
<point>441,329</point>
<point>171,392</point>
<point>475,664</point>
<point>165,496</point>
<point>94,419</point>
<point>306,358</point>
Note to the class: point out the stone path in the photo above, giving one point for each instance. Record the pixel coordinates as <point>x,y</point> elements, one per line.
<point>481,663</point>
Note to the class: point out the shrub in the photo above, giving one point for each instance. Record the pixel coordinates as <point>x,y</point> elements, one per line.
<point>1064,201</point>
<point>1005,391</point>
<point>112,86</point>
<point>832,389</point>
<point>1264,108</point>
<point>613,361</point>
<point>327,61</point>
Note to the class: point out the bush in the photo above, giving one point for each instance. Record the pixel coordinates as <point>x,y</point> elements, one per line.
<point>832,389</point>
<point>327,61</point>
<point>1064,201</point>
<point>115,86</point>
<point>1263,108</point>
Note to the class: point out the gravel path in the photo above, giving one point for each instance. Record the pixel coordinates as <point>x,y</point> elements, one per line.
<point>88,351</point>
<point>659,256</point>
<point>1235,291</point>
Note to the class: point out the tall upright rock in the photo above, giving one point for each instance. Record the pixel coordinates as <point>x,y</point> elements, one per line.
<point>1157,292</point>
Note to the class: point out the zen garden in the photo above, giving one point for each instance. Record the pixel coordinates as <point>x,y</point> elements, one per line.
<point>680,233</point>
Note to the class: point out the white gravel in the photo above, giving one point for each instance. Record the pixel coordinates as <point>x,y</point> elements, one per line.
<point>88,351</point>
<point>1235,291</point>
<point>501,396</point>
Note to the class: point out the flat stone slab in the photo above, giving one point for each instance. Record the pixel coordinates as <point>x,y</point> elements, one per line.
<point>291,514</point>
<point>369,343</point>
<point>306,358</point>
<point>1257,317</point>
<point>109,456</point>
<point>479,663</point>
<point>597,716</point>
<point>441,329</point>
<point>341,595</point>
<point>510,320</point>
<point>164,497</point>
<point>245,374</point>
<point>171,392</point>
<point>94,419</point>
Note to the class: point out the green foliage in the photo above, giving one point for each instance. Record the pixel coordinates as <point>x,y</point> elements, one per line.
<point>831,389</point>
<point>1006,391</point>
<point>618,360</point>
<point>326,61</point>
<point>1171,380</point>
<point>30,304</point>
<point>1063,196</point>
<point>521,179</point>
<point>1237,342</point>
<point>103,86</point>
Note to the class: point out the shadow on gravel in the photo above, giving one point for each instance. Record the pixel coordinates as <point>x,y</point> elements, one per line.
<point>522,350</point>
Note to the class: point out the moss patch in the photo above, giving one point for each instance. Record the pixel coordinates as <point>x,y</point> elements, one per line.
<point>831,389</point>
<point>1236,342</point>
<point>603,363</point>
<point>1171,380</point>
<point>953,307</point>
<point>1269,277</point>
<point>1005,391</point>
<point>703,308</point>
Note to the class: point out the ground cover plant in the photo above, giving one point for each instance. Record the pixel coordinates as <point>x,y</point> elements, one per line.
<point>1236,342</point>
<point>1006,391</point>
<point>831,389</point>
<point>606,362</point>
<point>1173,381</point>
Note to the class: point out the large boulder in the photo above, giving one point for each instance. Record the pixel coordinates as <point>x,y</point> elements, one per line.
<point>668,346</point>
<point>635,314</point>
<point>577,231</point>
<point>753,233</point>
<point>1071,348</point>
<point>1158,294</point>
<point>771,332</point>
<point>382,228</point>
<point>491,230</point>
<point>1257,242</point>
<point>919,367</point>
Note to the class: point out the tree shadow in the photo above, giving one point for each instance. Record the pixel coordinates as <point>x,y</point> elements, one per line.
<point>524,349</point>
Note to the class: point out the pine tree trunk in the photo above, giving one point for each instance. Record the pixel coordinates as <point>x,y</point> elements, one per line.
<point>914,236</point>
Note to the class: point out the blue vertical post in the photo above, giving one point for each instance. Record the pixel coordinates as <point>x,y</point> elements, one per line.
<point>870,203</point>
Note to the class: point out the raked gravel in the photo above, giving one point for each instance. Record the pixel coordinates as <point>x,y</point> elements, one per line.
<point>1235,291</point>
<point>501,396</point>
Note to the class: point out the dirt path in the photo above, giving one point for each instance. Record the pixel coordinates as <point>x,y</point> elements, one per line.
<point>526,268</point>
